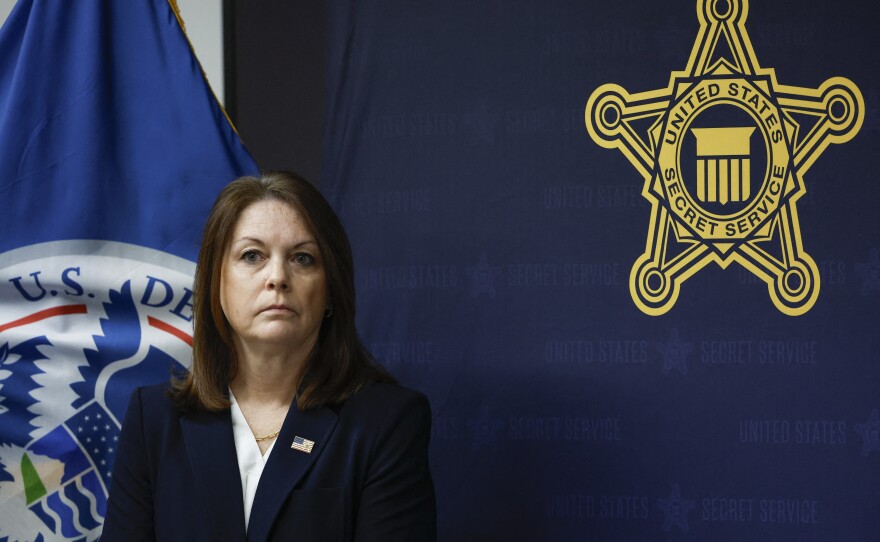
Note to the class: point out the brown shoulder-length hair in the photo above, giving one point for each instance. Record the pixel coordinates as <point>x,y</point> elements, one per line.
<point>339,365</point>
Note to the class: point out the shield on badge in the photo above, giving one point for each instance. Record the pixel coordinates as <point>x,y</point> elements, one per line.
<point>723,164</point>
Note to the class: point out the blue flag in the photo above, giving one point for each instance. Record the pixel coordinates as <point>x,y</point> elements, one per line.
<point>114,148</point>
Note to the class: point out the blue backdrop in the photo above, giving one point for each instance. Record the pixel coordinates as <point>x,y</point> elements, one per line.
<point>729,388</point>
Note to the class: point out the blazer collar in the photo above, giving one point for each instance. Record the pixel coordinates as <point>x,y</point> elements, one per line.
<point>210,447</point>
<point>286,466</point>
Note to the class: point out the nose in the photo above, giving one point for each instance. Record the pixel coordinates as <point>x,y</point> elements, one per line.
<point>277,278</point>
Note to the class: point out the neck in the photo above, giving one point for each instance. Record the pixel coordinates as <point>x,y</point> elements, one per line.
<point>268,378</point>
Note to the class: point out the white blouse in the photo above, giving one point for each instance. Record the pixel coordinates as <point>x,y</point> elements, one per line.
<point>250,460</point>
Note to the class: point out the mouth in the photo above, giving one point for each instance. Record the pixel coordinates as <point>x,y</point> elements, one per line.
<point>277,309</point>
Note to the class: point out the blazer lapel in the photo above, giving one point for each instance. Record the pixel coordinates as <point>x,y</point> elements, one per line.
<point>286,466</point>
<point>210,447</point>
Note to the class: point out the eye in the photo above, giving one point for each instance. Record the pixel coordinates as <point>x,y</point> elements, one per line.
<point>304,258</point>
<point>251,256</point>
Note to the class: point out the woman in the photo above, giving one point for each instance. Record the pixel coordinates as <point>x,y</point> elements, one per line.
<point>284,428</point>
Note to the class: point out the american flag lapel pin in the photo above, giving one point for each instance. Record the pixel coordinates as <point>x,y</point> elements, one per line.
<point>302,444</point>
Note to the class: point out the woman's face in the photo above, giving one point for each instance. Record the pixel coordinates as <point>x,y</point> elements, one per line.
<point>272,284</point>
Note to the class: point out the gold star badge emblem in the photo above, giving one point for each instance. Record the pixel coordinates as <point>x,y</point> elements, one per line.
<point>723,150</point>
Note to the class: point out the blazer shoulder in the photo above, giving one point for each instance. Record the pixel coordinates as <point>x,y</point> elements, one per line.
<point>154,396</point>
<point>151,405</point>
<point>382,406</point>
<point>386,396</point>
<point>155,393</point>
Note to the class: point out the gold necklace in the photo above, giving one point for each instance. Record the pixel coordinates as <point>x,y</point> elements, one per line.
<point>267,437</point>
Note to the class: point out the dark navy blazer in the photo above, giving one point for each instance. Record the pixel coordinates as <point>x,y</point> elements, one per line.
<point>176,475</point>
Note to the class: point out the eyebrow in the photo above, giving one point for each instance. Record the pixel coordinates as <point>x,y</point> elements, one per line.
<point>261,242</point>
